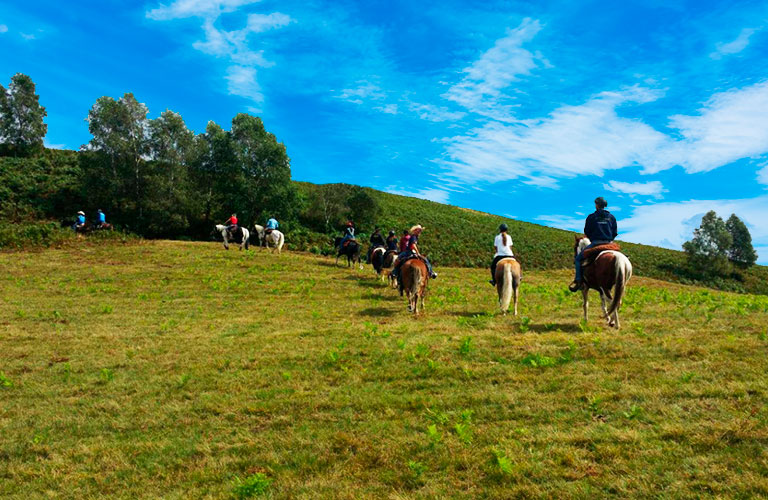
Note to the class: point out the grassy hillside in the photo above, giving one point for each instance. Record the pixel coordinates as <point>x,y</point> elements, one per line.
<point>460,237</point>
<point>179,370</point>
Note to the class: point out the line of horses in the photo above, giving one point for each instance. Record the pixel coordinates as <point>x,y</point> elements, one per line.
<point>606,270</point>
<point>273,240</point>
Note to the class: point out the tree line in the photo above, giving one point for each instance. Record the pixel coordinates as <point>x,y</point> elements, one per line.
<point>156,177</point>
<point>718,245</point>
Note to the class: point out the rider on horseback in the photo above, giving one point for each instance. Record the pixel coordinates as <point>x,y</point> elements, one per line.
<point>503,245</point>
<point>404,239</point>
<point>232,225</point>
<point>413,252</point>
<point>79,221</point>
<point>392,242</point>
<point>349,233</point>
<point>377,240</point>
<point>601,229</point>
<point>102,218</point>
<point>271,225</point>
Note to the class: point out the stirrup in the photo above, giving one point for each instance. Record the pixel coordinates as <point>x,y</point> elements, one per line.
<point>492,282</point>
<point>575,286</point>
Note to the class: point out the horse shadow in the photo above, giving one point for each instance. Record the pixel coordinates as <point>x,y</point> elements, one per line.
<point>468,314</point>
<point>377,312</point>
<point>554,327</point>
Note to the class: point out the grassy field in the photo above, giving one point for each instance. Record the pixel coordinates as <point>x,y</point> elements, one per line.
<point>179,370</point>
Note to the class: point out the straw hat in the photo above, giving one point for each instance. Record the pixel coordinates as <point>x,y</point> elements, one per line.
<point>415,228</point>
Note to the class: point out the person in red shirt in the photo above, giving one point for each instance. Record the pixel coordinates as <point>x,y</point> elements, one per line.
<point>232,224</point>
<point>404,240</point>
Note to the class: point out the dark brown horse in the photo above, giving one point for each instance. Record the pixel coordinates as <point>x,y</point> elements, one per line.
<point>610,270</point>
<point>413,280</point>
<point>352,251</point>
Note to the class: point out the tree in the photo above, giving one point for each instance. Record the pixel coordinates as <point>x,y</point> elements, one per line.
<point>741,251</point>
<point>21,117</point>
<point>364,208</point>
<point>708,250</point>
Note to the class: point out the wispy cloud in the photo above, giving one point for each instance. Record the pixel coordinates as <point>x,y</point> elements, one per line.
<point>364,91</point>
<point>433,113</point>
<point>484,81</point>
<point>231,45</point>
<point>431,194</point>
<point>762,175</point>
<point>27,36</point>
<point>3,28</point>
<point>734,47</point>
<point>652,188</point>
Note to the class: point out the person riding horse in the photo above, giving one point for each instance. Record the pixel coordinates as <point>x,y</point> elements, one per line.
<point>232,225</point>
<point>271,225</point>
<point>601,229</point>
<point>377,240</point>
<point>503,245</point>
<point>79,221</point>
<point>349,233</point>
<point>413,252</point>
<point>404,239</point>
<point>101,219</point>
<point>391,241</point>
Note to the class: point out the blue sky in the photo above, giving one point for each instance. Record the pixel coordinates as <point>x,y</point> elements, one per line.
<point>523,109</point>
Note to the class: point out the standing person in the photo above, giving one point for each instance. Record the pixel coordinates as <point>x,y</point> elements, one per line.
<point>231,224</point>
<point>600,227</point>
<point>503,245</point>
<point>404,239</point>
<point>102,218</point>
<point>413,251</point>
<point>376,240</point>
<point>392,242</point>
<point>272,224</point>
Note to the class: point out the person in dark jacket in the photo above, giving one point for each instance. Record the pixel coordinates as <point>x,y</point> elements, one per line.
<point>377,240</point>
<point>600,228</point>
<point>392,242</point>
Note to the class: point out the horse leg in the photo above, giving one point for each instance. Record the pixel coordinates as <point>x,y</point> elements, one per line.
<point>517,294</point>
<point>585,295</point>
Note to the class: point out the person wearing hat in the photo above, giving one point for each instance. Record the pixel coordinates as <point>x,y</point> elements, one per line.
<point>601,229</point>
<point>377,240</point>
<point>392,241</point>
<point>79,221</point>
<point>349,233</point>
<point>413,251</point>
<point>503,245</point>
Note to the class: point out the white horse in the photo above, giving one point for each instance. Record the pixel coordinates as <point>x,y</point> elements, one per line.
<point>275,239</point>
<point>222,229</point>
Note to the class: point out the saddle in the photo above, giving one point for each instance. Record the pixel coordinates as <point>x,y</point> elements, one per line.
<point>346,243</point>
<point>268,231</point>
<point>590,254</point>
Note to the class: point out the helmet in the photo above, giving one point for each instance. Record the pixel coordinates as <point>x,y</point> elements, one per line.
<point>503,228</point>
<point>600,202</point>
<point>80,213</point>
<point>99,210</point>
<point>391,232</point>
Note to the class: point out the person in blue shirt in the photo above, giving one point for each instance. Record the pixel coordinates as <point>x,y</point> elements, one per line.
<point>349,233</point>
<point>80,221</point>
<point>392,242</point>
<point>102,218</point>
<point>272,223</point>
<point>601,229</point>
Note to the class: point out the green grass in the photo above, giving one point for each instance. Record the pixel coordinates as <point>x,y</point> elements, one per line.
<point>178,370</point>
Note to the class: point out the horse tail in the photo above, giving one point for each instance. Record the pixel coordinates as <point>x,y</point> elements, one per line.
<point>280,241</point>
<point>417,280</point>
<point>507,288</point>
<point>623,274</point>
<point>246,238</point>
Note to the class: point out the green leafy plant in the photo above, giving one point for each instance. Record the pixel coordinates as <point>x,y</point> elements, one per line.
<point>106,375</point>
<point>633,413</point>
<point>255,484</point>
<point>466,346</point>
<point>5,382</point>
<point>525,324</point>
<point>502,462</point>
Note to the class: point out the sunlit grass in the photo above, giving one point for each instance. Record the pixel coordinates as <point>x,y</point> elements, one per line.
<point>179,370</point>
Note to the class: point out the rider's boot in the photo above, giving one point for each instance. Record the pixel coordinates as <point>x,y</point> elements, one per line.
<point>575,286</point>
<point>492,282</point>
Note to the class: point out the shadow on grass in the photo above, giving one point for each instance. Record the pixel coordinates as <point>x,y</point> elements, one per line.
<point>377,312</point>
<point>469,314</point>
<point>554,327</point>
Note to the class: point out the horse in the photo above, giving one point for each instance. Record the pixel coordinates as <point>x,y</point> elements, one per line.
<point>377,259</point>
<point>351,250</point>
<point>611,269</point>
<point>508,277</point>
<point>222,229</point>
<point>387,266</point>
<point>413,280</point>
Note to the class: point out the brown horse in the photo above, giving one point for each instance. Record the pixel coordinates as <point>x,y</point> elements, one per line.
<point>610,270</point>
<point>508,276</point>
<point>413,279</point>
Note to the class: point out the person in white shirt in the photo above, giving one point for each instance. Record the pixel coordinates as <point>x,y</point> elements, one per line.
<point>503,245</point>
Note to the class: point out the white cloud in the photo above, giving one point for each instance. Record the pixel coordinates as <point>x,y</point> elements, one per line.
<point>563,222</point>
<point>3,28</point>
<point>241,81</point>
<point>364,91</point>
<point>27,36</point>
<point>762,174</point>
<point>573,140</point>
<point>730,126</point>
<point>181,9</point>
<point>734,47</point>
<point>652,188</point>
<point>496,69</point>
<point>390,109</point>
<point>232,45</point>
<point>434,113</point>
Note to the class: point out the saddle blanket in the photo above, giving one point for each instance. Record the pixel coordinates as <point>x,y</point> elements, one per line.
<point>591,254</point>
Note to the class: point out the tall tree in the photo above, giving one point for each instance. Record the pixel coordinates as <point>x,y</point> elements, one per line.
<point>364,208</point>
<point>21,117</point>
<point>708,250</point>
<point>741,251</point>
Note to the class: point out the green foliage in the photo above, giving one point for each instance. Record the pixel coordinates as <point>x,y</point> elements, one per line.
<point>255,484</point>
<point>502,462</point>
<point>708,250</point>
<point>363,208</point>
<point>466,346</point>
<point>741,251</point>
<point>21,118</point>
<point>5,382</point>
